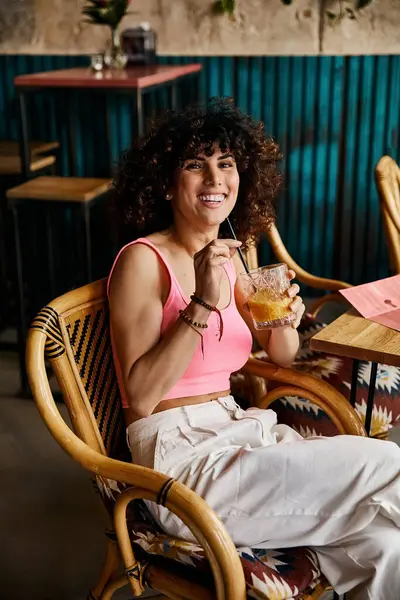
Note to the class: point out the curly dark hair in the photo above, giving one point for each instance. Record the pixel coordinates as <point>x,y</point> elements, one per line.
<point>145,172</point>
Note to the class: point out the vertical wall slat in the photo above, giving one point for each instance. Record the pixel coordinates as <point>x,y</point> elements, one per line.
<point>318,226</point>
<point>291,202</point>
<point>361,168</point>
<point>255,87</point>
<point>269,94</point>
<point>242,82</point>
<point>227,76</point>
<point>334,83</point>
<point>351,126</point>
<point>307,167</point>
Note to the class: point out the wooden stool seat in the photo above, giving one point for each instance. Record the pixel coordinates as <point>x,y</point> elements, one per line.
<point>11,148</point>
<point>11,165</point>
<point>60,189</point>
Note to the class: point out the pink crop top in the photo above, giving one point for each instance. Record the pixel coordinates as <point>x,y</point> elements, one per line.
<point>211,372</point>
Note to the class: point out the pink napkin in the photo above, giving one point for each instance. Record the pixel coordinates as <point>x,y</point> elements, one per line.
<point>378,301</point>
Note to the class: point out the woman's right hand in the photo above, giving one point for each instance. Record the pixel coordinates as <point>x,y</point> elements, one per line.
<point>208,266</point>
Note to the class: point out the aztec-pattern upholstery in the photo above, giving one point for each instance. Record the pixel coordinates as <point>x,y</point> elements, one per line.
<point>310,420</point>
<point>81,335</point>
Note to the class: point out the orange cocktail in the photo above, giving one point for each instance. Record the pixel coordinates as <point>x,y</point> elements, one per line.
<point>267,298</point>
<point>266,306</point>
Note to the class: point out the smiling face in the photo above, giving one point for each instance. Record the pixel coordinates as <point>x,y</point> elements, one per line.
<point>206,189</point>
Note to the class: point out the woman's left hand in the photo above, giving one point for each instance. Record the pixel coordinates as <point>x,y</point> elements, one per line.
<point>297,305</point>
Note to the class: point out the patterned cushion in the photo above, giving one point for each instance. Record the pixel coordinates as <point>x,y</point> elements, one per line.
<point>308,419</point>
<point>269,574</point>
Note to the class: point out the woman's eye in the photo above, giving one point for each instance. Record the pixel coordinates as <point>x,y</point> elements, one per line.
<point>226,165</point>
<point>194,166</point>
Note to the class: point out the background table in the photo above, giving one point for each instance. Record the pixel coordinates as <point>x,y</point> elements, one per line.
<point>136,81</point>
<point>360,339</point>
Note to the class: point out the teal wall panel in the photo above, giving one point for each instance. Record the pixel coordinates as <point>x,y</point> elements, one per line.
<point>334,117</point>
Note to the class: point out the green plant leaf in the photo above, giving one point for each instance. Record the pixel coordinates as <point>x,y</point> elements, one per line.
<point>106,13</point>
<point>224,6</point>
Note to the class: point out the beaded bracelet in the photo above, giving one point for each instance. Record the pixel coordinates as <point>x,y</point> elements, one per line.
<point>190,321</point>
<point>202,303</point>
<point>212,309</point>
<point>194,325</point>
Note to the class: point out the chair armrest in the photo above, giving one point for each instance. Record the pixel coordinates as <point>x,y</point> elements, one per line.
<point>315,308</point>
<point>316,390</point>
<point>197,515</point>
<point>283,255</point>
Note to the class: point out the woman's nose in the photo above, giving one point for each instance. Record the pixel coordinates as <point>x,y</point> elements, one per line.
<point>212,177</point>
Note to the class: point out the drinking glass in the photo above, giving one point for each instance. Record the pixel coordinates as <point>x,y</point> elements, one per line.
<point>266,296</point>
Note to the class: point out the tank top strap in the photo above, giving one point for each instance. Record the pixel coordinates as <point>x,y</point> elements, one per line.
<point>148,243</point>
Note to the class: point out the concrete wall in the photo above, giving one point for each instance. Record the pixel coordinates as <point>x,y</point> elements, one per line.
<point>188,27</point>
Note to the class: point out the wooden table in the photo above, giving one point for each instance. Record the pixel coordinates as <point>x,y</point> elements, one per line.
<point>135,81</point>
<point>360,339</point>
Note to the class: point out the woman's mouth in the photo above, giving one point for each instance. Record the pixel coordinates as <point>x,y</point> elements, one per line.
<point>212,200</point>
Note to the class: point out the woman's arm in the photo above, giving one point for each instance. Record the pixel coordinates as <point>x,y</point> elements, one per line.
<point>150,365</point>
<point>281,343</point>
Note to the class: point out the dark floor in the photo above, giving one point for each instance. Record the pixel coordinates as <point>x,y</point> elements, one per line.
<point>51,523</point>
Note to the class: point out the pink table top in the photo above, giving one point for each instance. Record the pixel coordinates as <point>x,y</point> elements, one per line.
<point>84,77</point>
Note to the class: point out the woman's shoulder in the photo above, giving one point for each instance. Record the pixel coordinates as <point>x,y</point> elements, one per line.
<point>135,254</point>
<point>144,248</point>
<point>136,263</point>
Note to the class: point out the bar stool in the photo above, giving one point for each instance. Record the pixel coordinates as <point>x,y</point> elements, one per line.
<point>52,192</point>
<point>43,160</point>
<point>10,161</point>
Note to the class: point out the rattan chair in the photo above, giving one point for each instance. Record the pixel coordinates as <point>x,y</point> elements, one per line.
<point>387,178</point>
<point>72,333</point>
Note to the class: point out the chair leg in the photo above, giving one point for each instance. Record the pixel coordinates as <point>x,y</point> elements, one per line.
<point>113,586</point>
<point>112,563</point>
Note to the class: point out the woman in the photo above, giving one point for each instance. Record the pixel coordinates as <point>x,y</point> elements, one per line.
<point>271,488</point>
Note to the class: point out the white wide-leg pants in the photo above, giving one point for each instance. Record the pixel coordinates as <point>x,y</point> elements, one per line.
<point>274,489</point>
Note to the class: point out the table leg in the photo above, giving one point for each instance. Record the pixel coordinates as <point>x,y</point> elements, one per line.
<point>50,252</point>
<point>3,255</point>
<point>72,116</point>
<point>139,114</point>
<point>371,394</point>
<point>110,154</point>
<point>24,136</point>
<point>174,96</point>
<point>354,382</point>
<point>371,391</point>
<point>21,317</point>
<point>88,243</point>
<point>197,89</point>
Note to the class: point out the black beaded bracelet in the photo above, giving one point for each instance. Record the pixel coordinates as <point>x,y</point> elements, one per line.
<point>212,309</point>
<point>202,303</point>
<point>190,321</point>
